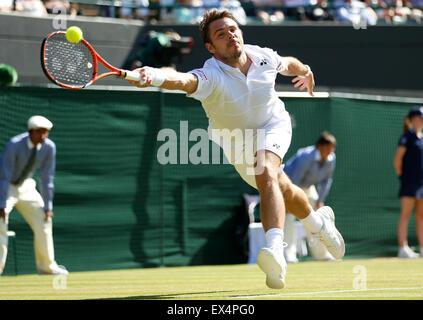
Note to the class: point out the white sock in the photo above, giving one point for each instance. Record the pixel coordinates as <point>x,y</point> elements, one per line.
<point>274,237</point>
<point>313,222</point>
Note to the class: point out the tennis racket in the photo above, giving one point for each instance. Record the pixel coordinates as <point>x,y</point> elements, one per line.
<point>75,65</point>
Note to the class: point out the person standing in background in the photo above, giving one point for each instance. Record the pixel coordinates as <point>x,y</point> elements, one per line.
<point>408,164</point>
<point>22,155</point>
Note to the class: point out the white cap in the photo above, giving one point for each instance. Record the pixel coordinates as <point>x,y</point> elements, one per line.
<point>36,122</point>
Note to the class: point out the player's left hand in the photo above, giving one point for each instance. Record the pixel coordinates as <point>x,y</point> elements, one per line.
<point>49,214</point>
<point>305,83</point>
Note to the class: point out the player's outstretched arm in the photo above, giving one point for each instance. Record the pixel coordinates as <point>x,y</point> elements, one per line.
<point>304,77</point>
<point>166,78</point>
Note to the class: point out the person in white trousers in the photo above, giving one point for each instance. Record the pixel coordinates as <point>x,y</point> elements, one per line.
<point>22,156</point>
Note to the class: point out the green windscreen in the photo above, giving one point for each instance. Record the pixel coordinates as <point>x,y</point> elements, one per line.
<point>117,207</point>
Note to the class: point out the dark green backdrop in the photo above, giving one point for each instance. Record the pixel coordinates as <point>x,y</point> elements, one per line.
<point>117,207</point>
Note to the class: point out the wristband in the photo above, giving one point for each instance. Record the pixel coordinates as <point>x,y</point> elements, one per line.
<point>308,72</point>
<point>157,76</point>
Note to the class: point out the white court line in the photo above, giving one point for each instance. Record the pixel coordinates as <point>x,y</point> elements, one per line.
<point>295,94</point>
<point>321,292</point>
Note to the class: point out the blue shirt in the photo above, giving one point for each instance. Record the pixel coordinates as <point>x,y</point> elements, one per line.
<point>14,159</point>
<point>304,170</point>
<point>412,162</point>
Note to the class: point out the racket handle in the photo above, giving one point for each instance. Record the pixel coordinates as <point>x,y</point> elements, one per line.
<point>131,75</point>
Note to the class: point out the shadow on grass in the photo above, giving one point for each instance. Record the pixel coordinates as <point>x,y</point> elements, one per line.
<point>186,295</point>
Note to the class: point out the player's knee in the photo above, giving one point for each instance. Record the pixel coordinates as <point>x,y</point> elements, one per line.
<point>266,176</point>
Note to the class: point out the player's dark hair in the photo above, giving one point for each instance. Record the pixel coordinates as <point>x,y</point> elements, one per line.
<point>326,138</point>
<point>209,17</point>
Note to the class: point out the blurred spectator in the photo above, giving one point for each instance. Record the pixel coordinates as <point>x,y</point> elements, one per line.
<point>319,12</point>
<point>88,10</point>
<point>417,14</point>
<point>6,5</point>
<point>356,12</point>
<point>58,6</point>
<point>414,4</point>
<point>270,14</point>
<point>416,9</point>
<point>295,9</point>
<point>379,6</point>
<point>166,11</point>
<point>192,11</point>
<point>32,7</point>
<point>189,11</point>
<point>137,9</point>
<point>249,8</point>
<point>210,4</point>
<point>403,11</point>
<point>234,6</point>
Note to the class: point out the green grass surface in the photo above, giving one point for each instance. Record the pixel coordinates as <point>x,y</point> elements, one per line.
<point>383,278</point>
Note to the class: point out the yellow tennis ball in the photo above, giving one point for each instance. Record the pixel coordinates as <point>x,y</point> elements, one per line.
<point>74,34</point>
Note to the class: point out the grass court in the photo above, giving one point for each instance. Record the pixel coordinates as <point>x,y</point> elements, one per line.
<point>350,279</point>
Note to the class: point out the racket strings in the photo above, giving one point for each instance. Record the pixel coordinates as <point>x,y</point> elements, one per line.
<point>68,63</point>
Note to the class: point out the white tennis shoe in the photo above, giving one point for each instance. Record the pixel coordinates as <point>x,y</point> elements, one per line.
<point>407,253</point>
<point>57,270</point>
<point>329,235</point>
<point>272,262</point>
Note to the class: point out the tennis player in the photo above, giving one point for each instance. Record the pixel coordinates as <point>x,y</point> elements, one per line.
<point>236,89</point>
<point>22,156</point>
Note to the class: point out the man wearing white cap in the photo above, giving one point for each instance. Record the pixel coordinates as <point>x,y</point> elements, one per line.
<point>22,156</point>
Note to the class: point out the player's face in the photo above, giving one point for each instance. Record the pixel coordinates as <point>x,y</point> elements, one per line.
<point>38,135</point>
<point>226,42</point>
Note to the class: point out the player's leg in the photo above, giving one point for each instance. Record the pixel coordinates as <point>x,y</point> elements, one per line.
<point>296,200</point>
<point>272,207</point>
<point>321,223</point>
<point>272,214</point>
<point>10,203</point>
<point>407,206</point>
<point>31,206</point>
<point>271,145</point>
<point>270,259</point>
<point>317,249</point>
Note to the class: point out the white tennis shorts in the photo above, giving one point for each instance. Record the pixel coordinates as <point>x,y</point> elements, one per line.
<point>240,146</point>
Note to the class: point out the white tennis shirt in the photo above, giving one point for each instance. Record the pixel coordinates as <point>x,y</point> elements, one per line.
<point>232,100</point>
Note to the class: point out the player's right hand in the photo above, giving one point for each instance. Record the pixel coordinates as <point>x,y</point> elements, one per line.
<point>3,215</point>
<point>145,78</point>
<point>305,83</point>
